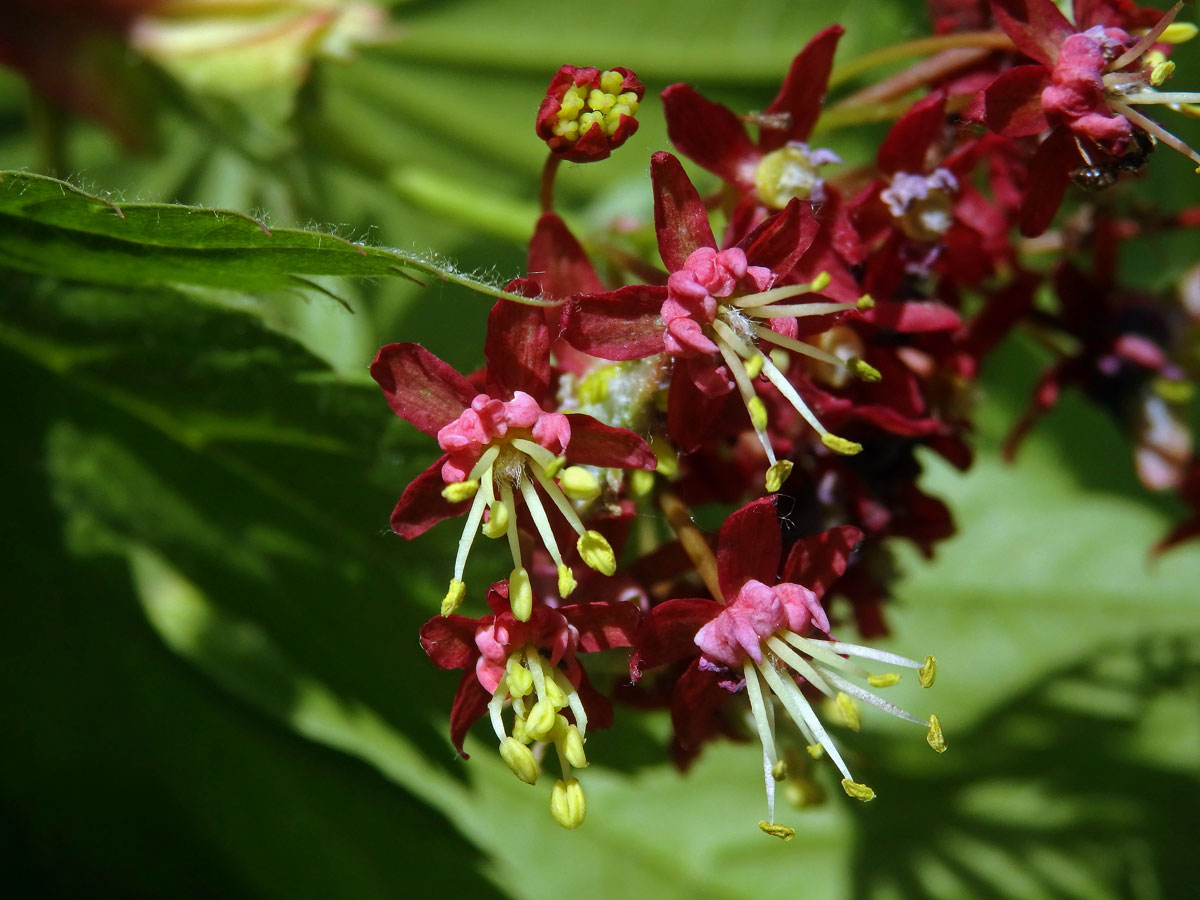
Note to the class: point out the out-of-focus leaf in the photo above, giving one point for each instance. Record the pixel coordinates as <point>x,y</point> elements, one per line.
<point>49,227</point>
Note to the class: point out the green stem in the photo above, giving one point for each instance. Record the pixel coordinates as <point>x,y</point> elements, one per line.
<point>992,40</point>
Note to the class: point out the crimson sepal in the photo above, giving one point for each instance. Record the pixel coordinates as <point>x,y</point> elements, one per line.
<point>908,141</point>
<point>1037,27</point>
<point>680,217</point>
<point>668,632</point>
<point>419,387</point>
<point>422,505</point>
<point>620,325</point>
<point>819,560</point>
<point>749,547</point>
<point>802,92</point>
<point>595,444</point>
<point>706,132</point>
<point>1012,104</point>
<point>695,702</point>
<point>470,703</point>
<point>517,351</point>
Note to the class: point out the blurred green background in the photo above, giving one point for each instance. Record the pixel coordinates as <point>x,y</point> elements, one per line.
<point>212,682</point>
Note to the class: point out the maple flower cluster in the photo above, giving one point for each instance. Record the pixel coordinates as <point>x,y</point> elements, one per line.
<point>808,331</point>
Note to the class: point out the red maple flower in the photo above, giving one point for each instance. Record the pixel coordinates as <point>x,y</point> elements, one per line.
<point>588,113</point>
<point>530,664</point>
<point>499,444</point>
<point>1081,93</point>
<point>759,631</point>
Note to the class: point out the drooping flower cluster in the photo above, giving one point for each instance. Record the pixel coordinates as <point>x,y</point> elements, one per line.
<point>811,328</point>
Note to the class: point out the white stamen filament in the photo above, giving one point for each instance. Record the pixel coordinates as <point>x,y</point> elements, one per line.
<point>1147,40</point>
<point>883,656</point>
<point>726,344</point>
<point>766,733</point>
<point>573,699</point>
<point>537,512</point>
<point>799,310</point>
<point>554,492</point>
<point>797,706</point>
<point>875,700</point>
<point>799,665</point>
<point>534,450</point>
<point>820,652</point>
<point>514,539</point>
<point>495,705</point>
<point>799,347</point>
<point>475,515</point>
<point>1142,98</point>
<point>787,292</point>
<point>784,386</point>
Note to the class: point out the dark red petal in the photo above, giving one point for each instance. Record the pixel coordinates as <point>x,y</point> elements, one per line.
<point>517,351</point>
<point>1049,174</point>
<point>803,90</point>
<point>450,641</point>
<point>706,132</point>
<point>419,387</point>
<point>669,630</point>
<point>595,444</point>
<point>817,561</point>
<point>693,415</point>
<point>1035,26</point>
<point>915,317</point>
<point>1012,104</point>
<point>779,241</point>
<point>557,262</point>
<point>697,698</point>
<point>680,219</point>
<point>749,546</point>
<point>905,146</point>
<point>622,324</point>
<point>470,703</point>
<point>603,626</point>
<point>422,505</point>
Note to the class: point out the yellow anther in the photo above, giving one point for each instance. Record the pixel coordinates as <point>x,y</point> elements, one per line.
<point>600,100</point>
<point>780,831</point>
<point>460,490</point>
<point>934,735</point>
<point>641,482</point>
<point>1178,33</point>
<point>781,358</point>
<point>1161,72</point>
<point>588,120</point>
<point>758,413</point>
<point>1174,391</point>
<point>572,102</point>
<point>572,748</point>
<point>454,597</point>
<point>857,790</point>
<point>555,466</point>
<point>848,711</point>
<point>567,803</point>
<point>821,281</point>
<point>519,759</point>
<point>594,388</point>
<point>518,678</point>
<point>596,552</point>
<point>865,302</point>
<point>928,672</point>
<point>540,721</point>
<point>555,696</point>
<point>816,751</point>
<point>754,366</point>
<point>496,525</point>
<point>518,730</point>
<point>887,679</point>
<point>611,81</point>
<point>864,370</point>
<point>777,475</point>
<point>579,483</point>
<point>520,594</point>
<point>779,771</point>
<point>840,445</point>
<point>566,581</point>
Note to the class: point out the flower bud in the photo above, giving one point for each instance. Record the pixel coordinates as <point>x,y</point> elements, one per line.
<point>588,113</point>
<point>519,759</point>
<point>567,803</point>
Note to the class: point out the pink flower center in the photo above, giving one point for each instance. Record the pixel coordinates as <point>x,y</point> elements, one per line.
<point>547,629</point>
<point>488,421</point>
<point>693,293</point>
<point>739,631</point>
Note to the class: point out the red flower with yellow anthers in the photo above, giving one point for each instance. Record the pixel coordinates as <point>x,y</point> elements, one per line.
<point>501,444</point>
<point>1082,91</point>
<point>588,113</point>
<point>763,631</point>
<point>716,310</point>
<point>530,664</point>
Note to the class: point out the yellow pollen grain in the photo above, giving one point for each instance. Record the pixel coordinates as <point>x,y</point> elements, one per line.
<point>454,597</point>
<point>857,790</point>
<point>783,832</point>
<point>1161,72</point>
<point>821,281</point>
<point>885,680</point>
<point>928,672</point>
<point>816,751</point>
<point>519,759</point>
<point>567,803</point>
<point>1178,33</point>
<point>460,491</point>
<point>934,736</point>
<point>497,524</point>
<point>597,552</point>
<point>848,711</point>
<point>520,594</point>
<point>779,771</point>
<point>864,370</point>
<point>758,413</point>
<point>566,582</point>
<point>754,366</point>
<point>865,302</point>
